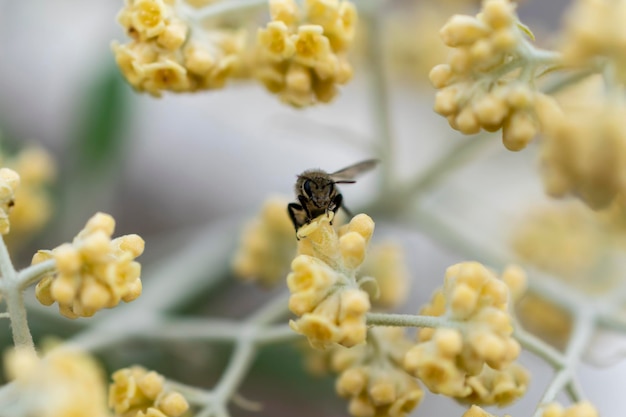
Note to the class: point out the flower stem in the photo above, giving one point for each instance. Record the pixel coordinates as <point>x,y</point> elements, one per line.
<point>223,8</point>
<point>409,320</point>
<point>381,113</point>
<point>9,287</point>
<point>564,377</point>
<point>28,276</point>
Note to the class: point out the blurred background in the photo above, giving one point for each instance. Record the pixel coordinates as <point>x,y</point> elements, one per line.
<point>166,168</point>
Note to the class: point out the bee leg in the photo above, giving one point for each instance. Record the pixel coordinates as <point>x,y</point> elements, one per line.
<point>298,216</point>
<point>337,204</point>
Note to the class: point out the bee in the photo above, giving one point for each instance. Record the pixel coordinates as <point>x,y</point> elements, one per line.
<point>317,193</point>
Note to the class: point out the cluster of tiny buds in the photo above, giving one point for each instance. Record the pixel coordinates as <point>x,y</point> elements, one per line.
<point>371,375</point>
<point>470,94</point>
<point>594,29</point>
<point>33,206</point>
<point>137,392</point>
<point>65,382</point>
<point>93,272</point>
<point>325,293</point>
<point>267,245</point>
<point>165,54</point>
<point>446,359</point>
<point>582,153</point>
<point>301,54</point>
<point>579,409</point>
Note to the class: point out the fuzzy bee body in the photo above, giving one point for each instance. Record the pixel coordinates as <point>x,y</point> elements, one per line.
<point>317,193</point>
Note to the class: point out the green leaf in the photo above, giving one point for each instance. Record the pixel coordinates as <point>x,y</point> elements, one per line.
<point>97,144</point>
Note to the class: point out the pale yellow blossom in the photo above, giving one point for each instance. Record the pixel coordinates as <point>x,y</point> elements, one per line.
<point>9,182</point>
<point>267,245</point>
<point>63,383</point>
<point>93,272</point>
<point>474,362</point>
<point>137,392</point>
<point>300,54</point>
<point>165,55</point>
<point>324,289</point>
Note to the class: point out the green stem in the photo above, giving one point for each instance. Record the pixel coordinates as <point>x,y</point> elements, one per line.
<point>381,112</point>
<point>194,395</point>
<point>564,377</point>
<point>457,157</point>
<point>274,309</point>
<point>238,366</point>
<point>28,276</point>
<point>537,346</point>
<point>276,334</point>
<point>6,265</point>
<point>409,320</point>
<point>14,299</point>
<point>223,8</point>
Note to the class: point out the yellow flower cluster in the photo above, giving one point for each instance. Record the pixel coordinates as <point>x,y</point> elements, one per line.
<point>301,54</point>
<point>64,383</point>
<point>595,28</point>
<point>165,55</point>
<point>371,375</point>
<point>497,387</point>
<point>9,181</point>
<point>476,411</point>
<point>470,94</point>
<point>584,152</point>
<point>32,210</point>
<point>267,245</point>
<point>137,392</point>
<point>580,409</point>
<point>325,292</point>
<point>386,263</point>
<point>93,272</point>
<point>445,359</point>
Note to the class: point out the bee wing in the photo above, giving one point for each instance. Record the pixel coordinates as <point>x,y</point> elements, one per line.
<point>351,172</point>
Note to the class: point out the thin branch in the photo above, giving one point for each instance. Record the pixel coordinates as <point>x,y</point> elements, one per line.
<point>409,320</point>
<point>223,8</point>
<point>28,276</point>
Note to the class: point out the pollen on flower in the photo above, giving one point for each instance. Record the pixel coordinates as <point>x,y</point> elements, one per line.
<point>301,54</point>
<point>93,272</point>
<point>465,363</point>
<point>267,245</point>
<point>63,383</point>
<point>323,284</point>
<point>137,392</point>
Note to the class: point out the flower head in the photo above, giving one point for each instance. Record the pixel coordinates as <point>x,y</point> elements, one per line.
<point>300,55</point>
<point>9,181</point>
<point>33,206</point>
<point>584,153</point>
<point>267,245</point>
<point>446,360</point>
<point>92,272</point>
<point>63,383</point>
<point>325,292</point>
<point>164,55</point>
<point>473,93</point>
<point>137,392</point>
